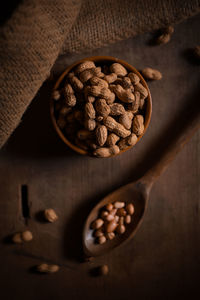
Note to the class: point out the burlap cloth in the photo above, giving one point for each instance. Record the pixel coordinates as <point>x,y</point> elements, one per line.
<point>38,31</point>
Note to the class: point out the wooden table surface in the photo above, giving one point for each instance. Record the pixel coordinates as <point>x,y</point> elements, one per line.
<point>162,261</point>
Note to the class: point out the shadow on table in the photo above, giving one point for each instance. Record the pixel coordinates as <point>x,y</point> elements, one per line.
<point>72,237</point>
<point>35,137</point>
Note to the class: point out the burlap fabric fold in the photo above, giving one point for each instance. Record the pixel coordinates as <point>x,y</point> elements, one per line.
<point>38,31</point>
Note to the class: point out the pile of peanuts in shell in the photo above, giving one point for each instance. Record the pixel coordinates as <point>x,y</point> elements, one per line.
<point>112,220</point>
<point>101,109</point>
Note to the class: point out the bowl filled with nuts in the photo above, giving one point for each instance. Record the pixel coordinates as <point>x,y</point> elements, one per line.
<point>101,106</point>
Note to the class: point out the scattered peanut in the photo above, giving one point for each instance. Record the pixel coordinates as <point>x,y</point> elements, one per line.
<point>45,268</point>
<point>163,39</point>
<point>20,237</point>
<point>17,238</point>
<point>27,236</point>
<point>50,215</point>
<point>169,30</point>
<point>165,36</point>
<point>151,74</point>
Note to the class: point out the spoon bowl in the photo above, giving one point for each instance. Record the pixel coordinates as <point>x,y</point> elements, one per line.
<point>134,193</point>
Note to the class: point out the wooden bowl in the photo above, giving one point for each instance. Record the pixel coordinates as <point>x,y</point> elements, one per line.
<point>100,60</point>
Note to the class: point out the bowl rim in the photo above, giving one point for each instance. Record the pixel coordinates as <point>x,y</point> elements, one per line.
<point>99,59</point>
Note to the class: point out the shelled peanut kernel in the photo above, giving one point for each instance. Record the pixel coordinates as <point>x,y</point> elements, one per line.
<point>112,221</point>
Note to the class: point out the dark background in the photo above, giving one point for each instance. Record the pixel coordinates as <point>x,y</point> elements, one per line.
<point>162,261</point>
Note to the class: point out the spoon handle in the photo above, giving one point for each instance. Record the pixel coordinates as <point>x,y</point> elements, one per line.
<point>180,134</point>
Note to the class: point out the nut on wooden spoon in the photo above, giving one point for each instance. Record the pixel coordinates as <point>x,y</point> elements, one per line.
<point>137,192</point>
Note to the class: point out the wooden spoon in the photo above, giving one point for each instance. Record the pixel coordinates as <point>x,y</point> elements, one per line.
<point>137,192</point>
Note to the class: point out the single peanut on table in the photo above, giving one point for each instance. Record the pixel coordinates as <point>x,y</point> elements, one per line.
<point>50,215</point>
<point>46,268</point>
<point>151,74</point>
<point>165,36</point>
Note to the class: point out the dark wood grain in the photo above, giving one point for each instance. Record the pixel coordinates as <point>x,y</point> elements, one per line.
<point>162,261</point>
